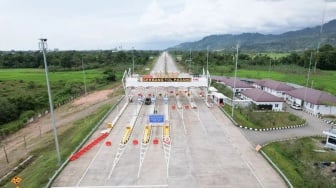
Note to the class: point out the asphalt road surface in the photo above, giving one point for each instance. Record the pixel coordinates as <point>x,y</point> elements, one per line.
<point>205,149</point>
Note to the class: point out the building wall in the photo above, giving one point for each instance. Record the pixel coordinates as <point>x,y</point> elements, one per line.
<point>326,110</point>
<point>274,92</point>
<point>319,109</point>
<point>290,100</point>
<point>276,106</point>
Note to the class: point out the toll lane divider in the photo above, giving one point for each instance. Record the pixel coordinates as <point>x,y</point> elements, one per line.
<point>146,134</point>
<point>118,116</point>
<point>88,147</point>
<point>127,135</point>
<point>59,170</point>
<point>166,134</point>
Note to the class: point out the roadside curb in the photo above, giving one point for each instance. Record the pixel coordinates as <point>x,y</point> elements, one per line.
<point>261,130</point>
<point>271,129</point>
<point>328,121</point>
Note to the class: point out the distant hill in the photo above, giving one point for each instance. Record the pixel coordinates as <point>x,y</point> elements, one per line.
<point>289,41</point>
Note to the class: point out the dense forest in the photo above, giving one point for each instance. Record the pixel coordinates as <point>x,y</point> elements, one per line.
<point>324,58</point>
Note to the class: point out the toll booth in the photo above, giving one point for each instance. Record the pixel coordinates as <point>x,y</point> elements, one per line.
<point>217,98</point>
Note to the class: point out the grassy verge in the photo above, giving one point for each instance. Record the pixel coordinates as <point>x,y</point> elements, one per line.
<point>304,162</point>
<point>321,80</point>
<point>264,119</point>
<point>43,167</point>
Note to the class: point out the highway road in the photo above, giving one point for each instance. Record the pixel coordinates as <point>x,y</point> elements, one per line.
<point>205,149</point>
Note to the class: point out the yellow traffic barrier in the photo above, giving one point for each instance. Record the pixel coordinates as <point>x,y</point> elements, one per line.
<point>109,125</point>
<point>127,135</point>
<point>166,131</point>
<point>146,135</point>
<point>166,134</point>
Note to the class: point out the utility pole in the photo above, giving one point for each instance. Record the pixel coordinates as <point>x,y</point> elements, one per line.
<point>207,59</point>
<point>308,75</point>
<point>133,59</point>
<point>190,61</point>
<point>319,37</point>
<point>84,80</point>
<point>234,82</point>
<point>42,44</point>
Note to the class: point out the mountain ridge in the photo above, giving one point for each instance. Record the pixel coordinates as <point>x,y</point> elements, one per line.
<point>297,40</point>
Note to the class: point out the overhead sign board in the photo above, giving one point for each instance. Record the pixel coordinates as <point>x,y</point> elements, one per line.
<point>166,79</point>
<point>156,118</point>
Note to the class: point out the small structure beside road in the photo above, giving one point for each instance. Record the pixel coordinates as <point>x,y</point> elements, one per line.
<point>331,138</point>
<point>312,101</point>
<point>263,100</point>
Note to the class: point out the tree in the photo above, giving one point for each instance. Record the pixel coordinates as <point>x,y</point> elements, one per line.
<point>8,111</point>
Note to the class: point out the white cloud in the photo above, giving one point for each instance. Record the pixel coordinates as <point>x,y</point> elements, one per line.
<point>85,24</point>
<point>202,17</point>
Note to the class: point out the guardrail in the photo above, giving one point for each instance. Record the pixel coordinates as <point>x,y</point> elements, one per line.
<point>59,170</point>
<point>88,147</point>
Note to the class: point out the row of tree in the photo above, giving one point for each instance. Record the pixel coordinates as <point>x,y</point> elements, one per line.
<point>324,58</point>
<point>72,60</point>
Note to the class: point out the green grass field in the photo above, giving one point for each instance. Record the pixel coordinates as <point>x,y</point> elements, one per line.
<point>38,75</point>
<point>301,161</point>
<point>275,55</point>
<point>322,80</point>
<point>26,89</point>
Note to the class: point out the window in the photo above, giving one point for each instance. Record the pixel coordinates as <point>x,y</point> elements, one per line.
<point>276,105</point>
<point>332,140</point>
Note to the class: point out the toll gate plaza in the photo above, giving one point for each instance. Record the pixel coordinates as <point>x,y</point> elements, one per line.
<point>175,139</point>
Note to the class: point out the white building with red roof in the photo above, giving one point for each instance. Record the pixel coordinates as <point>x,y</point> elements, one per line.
<point>231,83</point>
<point>312,100</point>
<point>273,87</point>
<point>263,100</point>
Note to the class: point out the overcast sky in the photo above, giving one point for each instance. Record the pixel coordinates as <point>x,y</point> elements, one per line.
<point>148,24</point>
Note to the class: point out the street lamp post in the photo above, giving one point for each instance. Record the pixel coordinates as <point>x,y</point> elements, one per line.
<point>234,82</point>
<point>133,59</point>
<point>43,48</point>
<point>207,69</point>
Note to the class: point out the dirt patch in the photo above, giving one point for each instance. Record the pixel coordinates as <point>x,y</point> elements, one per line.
<point>19,144</point>
<point>93,98</point>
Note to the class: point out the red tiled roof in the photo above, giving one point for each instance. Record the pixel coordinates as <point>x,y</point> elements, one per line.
<point>230,82</point>
<point>276,85</point>
<point>261,96</point>
<point>313,96</point>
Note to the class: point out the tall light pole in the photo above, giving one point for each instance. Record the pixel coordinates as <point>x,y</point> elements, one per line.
<point>42,45</point>
<point>308,74</point>
<point>234,82</point>
<point>84,80</point>
<point>133,59</point>
<point>319,37</point>
<point>190,61</point>
<point>207,59</point>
